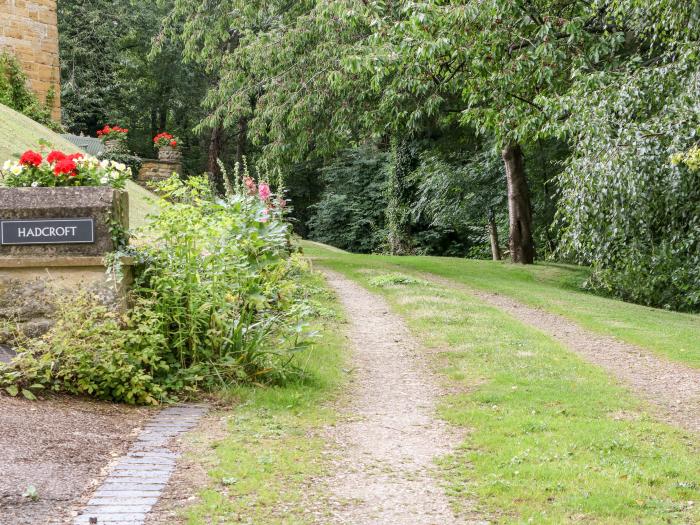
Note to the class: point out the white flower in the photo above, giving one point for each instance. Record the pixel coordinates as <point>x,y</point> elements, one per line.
<point>7,165</point>
<point>118,166</point>
<point>17,169</point>
<point>104,164</point>
<point>115,175</point>
<point>104,180</point>
<point>35,184</point>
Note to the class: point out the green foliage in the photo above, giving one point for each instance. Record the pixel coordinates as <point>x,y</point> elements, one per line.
<point>459,193</point>
<point>350,213</point>
<point>88,352</point>
<point>217,302</point>
<point>15,94</point>
<point>626,209</point>
<point>400,196</point>
<point>111,74</point>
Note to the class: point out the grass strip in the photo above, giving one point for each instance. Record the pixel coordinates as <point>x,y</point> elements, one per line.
<point>272,446</point>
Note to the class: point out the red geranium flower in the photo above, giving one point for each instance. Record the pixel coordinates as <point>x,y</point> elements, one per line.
<point>66,166</point>
<point>55,156</point>
<point>30,158</point>
<point>75,156</point>
<point>173,143</point>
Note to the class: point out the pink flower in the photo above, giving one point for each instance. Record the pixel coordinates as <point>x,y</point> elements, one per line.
<point>250,185</point>
<point>265,215</point>
<point>264,191</point>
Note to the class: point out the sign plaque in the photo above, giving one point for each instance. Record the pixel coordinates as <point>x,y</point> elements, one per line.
<point>47,231</point>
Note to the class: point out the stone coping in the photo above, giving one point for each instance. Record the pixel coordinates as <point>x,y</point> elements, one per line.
<point>55,262</point>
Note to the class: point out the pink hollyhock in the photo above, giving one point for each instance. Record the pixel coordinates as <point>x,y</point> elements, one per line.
<point>264,191</point>
<point>30,158</point>
<point>250,185</point>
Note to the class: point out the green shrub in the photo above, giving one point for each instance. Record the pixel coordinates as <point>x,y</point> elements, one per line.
<point>630,193</point>
<point>131,161</point>
<point>217,301</point>
<point>15,94</point>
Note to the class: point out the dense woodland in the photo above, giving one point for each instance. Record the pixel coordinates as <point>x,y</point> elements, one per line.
<point>526,129</point>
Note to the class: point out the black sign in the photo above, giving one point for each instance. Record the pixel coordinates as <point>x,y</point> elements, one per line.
<point>47,231</point>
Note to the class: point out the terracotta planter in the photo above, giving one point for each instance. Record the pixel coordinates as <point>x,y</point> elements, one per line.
<point>169,154</point>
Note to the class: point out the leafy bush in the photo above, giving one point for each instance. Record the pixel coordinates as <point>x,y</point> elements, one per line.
<point>216,301</point>
<point>626,209</point>
<point>15,94</point>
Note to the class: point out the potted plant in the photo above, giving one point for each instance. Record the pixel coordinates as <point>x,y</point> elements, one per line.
<point>168,147</point>
<point>114,138</point>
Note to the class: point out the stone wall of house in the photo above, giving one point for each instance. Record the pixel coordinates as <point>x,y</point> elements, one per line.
<point>29,30</point>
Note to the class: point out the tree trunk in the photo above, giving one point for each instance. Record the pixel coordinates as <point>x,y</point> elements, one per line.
<point>242,141</point>
<point>493,235</point>
<point>216,142</point>
<point>398,216</point>
<point>163,119</point>
<point>522,248</point>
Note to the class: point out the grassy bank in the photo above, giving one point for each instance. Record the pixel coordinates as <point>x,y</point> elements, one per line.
<point>554,287</point>
<point>552,439</point>
<point>260,469</point>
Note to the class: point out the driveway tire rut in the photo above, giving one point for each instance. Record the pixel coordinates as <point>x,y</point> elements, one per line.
<point>389,438</point>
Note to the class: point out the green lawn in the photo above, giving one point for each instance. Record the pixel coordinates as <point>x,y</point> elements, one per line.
<point>551,439</point>
<point>261,468</point>
<point>553,287</point>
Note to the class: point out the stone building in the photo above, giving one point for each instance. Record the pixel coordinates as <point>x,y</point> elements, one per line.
<point>29,30</point>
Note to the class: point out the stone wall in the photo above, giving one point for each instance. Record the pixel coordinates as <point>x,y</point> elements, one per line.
<point>42,270</point>
<point>29,30</point>
<point>155,170</point>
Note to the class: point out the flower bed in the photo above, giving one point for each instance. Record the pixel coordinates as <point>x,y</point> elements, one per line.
<point>60,169</point>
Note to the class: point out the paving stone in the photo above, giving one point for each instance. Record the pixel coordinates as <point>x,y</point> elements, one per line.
<point>136,493</point>
<point>103,519</point>
<point>137,480</point>
<point>138,467</point>
<point>128,487</point>
<point>100,510</point>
